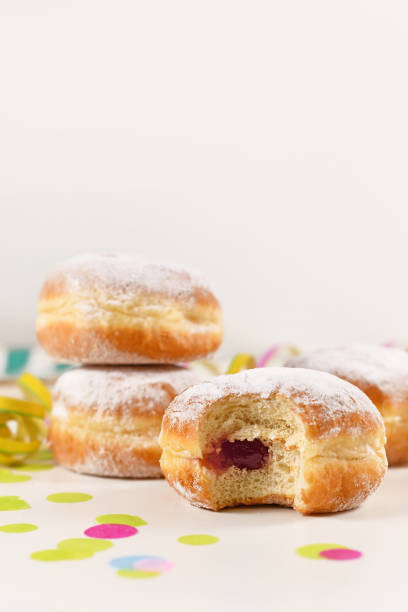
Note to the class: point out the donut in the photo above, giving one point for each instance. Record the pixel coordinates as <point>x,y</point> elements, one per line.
<point>123,309</point>
<point>382,373</point>
<point>292,437</point>
<point>106,420</point>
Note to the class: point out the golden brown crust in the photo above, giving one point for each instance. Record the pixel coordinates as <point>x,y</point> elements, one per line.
<point>326,405</point>
<point>382,374</point>
<point>106,420</point>
<point>186,476</point>
<point>397,442</point>
<point>341,436</point>
<point>334,485</point>
<point>395,417</point>
<point>187,433</point>
<point>330,484</point>
<point>67,341</point>
<point>83,450</point>
<point>121,309</point>
<point>193,482</point>
<point>56,288</point>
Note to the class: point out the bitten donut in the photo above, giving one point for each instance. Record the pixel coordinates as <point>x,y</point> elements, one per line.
<point>106,420</point>
<point>123,309</point>
<point>382,373</point>
<point>284,436</point>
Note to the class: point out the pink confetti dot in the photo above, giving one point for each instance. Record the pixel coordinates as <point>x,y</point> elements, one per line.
<point>153,565</point>
<point>110,531</point>
<point>340,554</point>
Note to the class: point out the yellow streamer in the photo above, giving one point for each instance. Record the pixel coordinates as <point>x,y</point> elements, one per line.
<point>11,405</point>
<point>242,361</point>
<point>22,426</point>
<point>14,446</point>
<point>35,389</point>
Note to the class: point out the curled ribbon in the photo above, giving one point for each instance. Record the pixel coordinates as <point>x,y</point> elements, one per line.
<point>22,426</point>
<point>277,352</point>
<point>242,361</point>
<point>35,390</point>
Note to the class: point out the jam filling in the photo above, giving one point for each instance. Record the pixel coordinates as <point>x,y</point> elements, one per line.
<point>243,454</point>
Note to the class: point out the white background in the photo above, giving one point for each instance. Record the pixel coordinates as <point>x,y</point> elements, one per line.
<point>263,142</point>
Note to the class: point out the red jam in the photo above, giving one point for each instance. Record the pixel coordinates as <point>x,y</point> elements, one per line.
<point>243,454</point>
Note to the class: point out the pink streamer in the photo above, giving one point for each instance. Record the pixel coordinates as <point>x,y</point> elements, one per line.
<point>267,356</point>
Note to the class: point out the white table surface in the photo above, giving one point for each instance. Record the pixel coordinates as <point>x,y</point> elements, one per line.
<point>253,567</point>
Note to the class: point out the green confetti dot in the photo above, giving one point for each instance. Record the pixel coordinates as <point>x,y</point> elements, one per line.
<point>121,519</point>
<point>34,467</point>
<point>198,539</point>
<point>72,549</point>
<point>85,545</point>
<point>136,574</point>
<point>7,475</point>
<point>69,498</point>
<point>13,502</point>
<point>59,555</point>
<point>311,551</point>
<point>18,528</point>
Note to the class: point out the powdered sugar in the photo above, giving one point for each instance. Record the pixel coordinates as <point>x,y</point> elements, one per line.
<point>192,495</point>
<point>101,462</point>
<point>121,273</point>
<point>307,388</point>
<point>370,365</point>
<point>105,388</point>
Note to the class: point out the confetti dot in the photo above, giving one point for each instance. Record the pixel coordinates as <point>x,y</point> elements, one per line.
<point>7,475</point>
<point>141,566</point>
<point>341,554</point>
<point>13,503</point>
<point>110,531</point>
<point>84,545</point>
<point>121,519</point>
<point>136,574</point>
<point>312,551</point>
<point>321,551</point>
<point>35,467</point>
<point>59,555</point>
<point>198,539</point>
<point>153,564</point>
<point>72,549</point>
<point>18,528</point>
<point>69,498</point>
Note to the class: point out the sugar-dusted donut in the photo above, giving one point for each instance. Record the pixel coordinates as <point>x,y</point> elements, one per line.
<point>382,373</point>
<point>284,436</point>
<point>106,420</point>
<point>124,309</point>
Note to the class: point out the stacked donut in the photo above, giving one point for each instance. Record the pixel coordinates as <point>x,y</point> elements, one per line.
<point>128,322</point>
<point>310,435</point>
